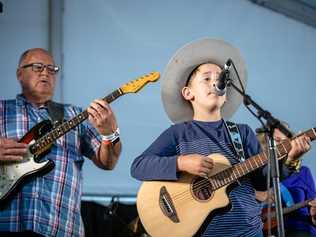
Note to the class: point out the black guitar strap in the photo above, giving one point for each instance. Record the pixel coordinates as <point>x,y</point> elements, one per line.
<point>56,112</point>
<point>236,140</point>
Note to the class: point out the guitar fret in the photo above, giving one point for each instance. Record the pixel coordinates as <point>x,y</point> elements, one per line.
<point>220,180</point>
<point>80,117</point>
<point>279,153</point>
<point>256,164</point>
<point>49,138</point>
<point>212,184</point>
<point>284,148</point>
<point>264,158</point>
<point>75,120</point>
<point>66,126</point>
<point>111,97</point>
<point>42,143</point>
<point>246,168</point>
<point>229,176</point>
<point>251,165</point>
<point>55,134</point>
<point>233,172</point>
<point>216,184</point>
<point>226,176</point>
<point>237,171</point>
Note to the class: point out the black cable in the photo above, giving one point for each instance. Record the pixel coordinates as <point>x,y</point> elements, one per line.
<point>238,77</point>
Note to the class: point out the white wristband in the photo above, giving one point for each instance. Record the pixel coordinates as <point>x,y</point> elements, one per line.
<point>111,137</point>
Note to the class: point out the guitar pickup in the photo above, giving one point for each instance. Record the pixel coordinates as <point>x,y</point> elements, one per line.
<point>166,205</point>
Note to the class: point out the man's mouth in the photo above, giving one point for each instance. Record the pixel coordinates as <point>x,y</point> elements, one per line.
<point>43,81</point>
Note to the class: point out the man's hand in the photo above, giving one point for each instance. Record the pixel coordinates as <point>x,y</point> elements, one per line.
<point>102,117</point>
<point>265,196</point>
<point>195,164</point>
<point>299,146</point>
<point>313,210</point>
<point>11,150</point>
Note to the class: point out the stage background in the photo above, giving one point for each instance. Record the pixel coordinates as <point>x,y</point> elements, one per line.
<point>103,44</point>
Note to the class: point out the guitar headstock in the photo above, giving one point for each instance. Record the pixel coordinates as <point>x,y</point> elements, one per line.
<point>137,84</point>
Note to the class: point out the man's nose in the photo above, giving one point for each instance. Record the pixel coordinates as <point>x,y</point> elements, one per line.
<point>45,70</point>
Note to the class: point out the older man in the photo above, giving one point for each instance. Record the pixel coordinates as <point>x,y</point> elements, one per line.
<point>49,205</point>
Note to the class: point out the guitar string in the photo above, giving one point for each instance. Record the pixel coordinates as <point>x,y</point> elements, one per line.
<point>222,182</point>
<point>219,183</point>
<point>215,183</point>
<point>205,182</point>
<point>186,194</point>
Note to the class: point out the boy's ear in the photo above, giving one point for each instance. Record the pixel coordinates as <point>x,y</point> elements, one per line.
<point>187,93</point>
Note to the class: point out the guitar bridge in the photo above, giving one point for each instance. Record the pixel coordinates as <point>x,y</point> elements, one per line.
<point>166,205</point>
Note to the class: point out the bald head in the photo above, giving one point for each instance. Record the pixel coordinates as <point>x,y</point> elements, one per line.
<point>29,52</point>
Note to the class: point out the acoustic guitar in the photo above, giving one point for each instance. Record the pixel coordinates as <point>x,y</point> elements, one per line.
<point>179,208</point>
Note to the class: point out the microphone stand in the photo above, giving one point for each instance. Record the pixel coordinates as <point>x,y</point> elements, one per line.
<point>272,123</point>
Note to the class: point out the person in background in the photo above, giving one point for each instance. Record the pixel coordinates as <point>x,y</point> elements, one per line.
<point>297,188</point>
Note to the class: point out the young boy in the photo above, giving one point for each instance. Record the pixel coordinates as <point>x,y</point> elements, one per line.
<point>190,100</point>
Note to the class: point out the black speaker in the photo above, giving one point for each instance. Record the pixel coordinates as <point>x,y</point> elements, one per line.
<point>115,220</point>
<point>1,7</point>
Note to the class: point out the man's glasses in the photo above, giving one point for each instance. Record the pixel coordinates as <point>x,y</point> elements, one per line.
<point>39,67</point>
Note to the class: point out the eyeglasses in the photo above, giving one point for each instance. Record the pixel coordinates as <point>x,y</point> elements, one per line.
<point>39,67</point>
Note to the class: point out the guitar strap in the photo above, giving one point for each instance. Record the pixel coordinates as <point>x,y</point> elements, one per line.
<point>56,112</point>
<point>235,138</point>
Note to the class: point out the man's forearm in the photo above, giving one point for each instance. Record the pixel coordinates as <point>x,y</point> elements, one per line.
<point>108,155</point>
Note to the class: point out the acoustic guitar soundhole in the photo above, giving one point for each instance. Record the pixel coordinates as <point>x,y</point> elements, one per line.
<point>201,189</point>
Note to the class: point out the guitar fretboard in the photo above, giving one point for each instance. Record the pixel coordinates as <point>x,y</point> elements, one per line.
<point>231,174</point>
<point>62,129</point>
<point>296,206</point>
<point>287,210</point>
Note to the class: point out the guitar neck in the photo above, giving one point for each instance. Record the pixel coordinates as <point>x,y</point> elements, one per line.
<point>286,210</point>
<point>62,129</point>
<point>231,174</point>
<point>296,206</point>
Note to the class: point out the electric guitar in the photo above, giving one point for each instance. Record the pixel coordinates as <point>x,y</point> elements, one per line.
<point>286,210</point>
<point>41,137</point>
<point>179,208</point>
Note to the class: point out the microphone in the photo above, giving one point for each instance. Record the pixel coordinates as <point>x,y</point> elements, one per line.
<point>221,83</point>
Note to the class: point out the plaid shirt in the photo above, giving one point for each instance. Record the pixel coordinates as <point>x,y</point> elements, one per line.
<point>49,204</point>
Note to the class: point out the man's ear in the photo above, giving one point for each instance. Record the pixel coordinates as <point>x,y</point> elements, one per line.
<point>187,93</point>
<point>18,74</point>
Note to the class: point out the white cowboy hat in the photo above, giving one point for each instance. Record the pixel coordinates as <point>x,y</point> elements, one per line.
<point>181,65</point>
